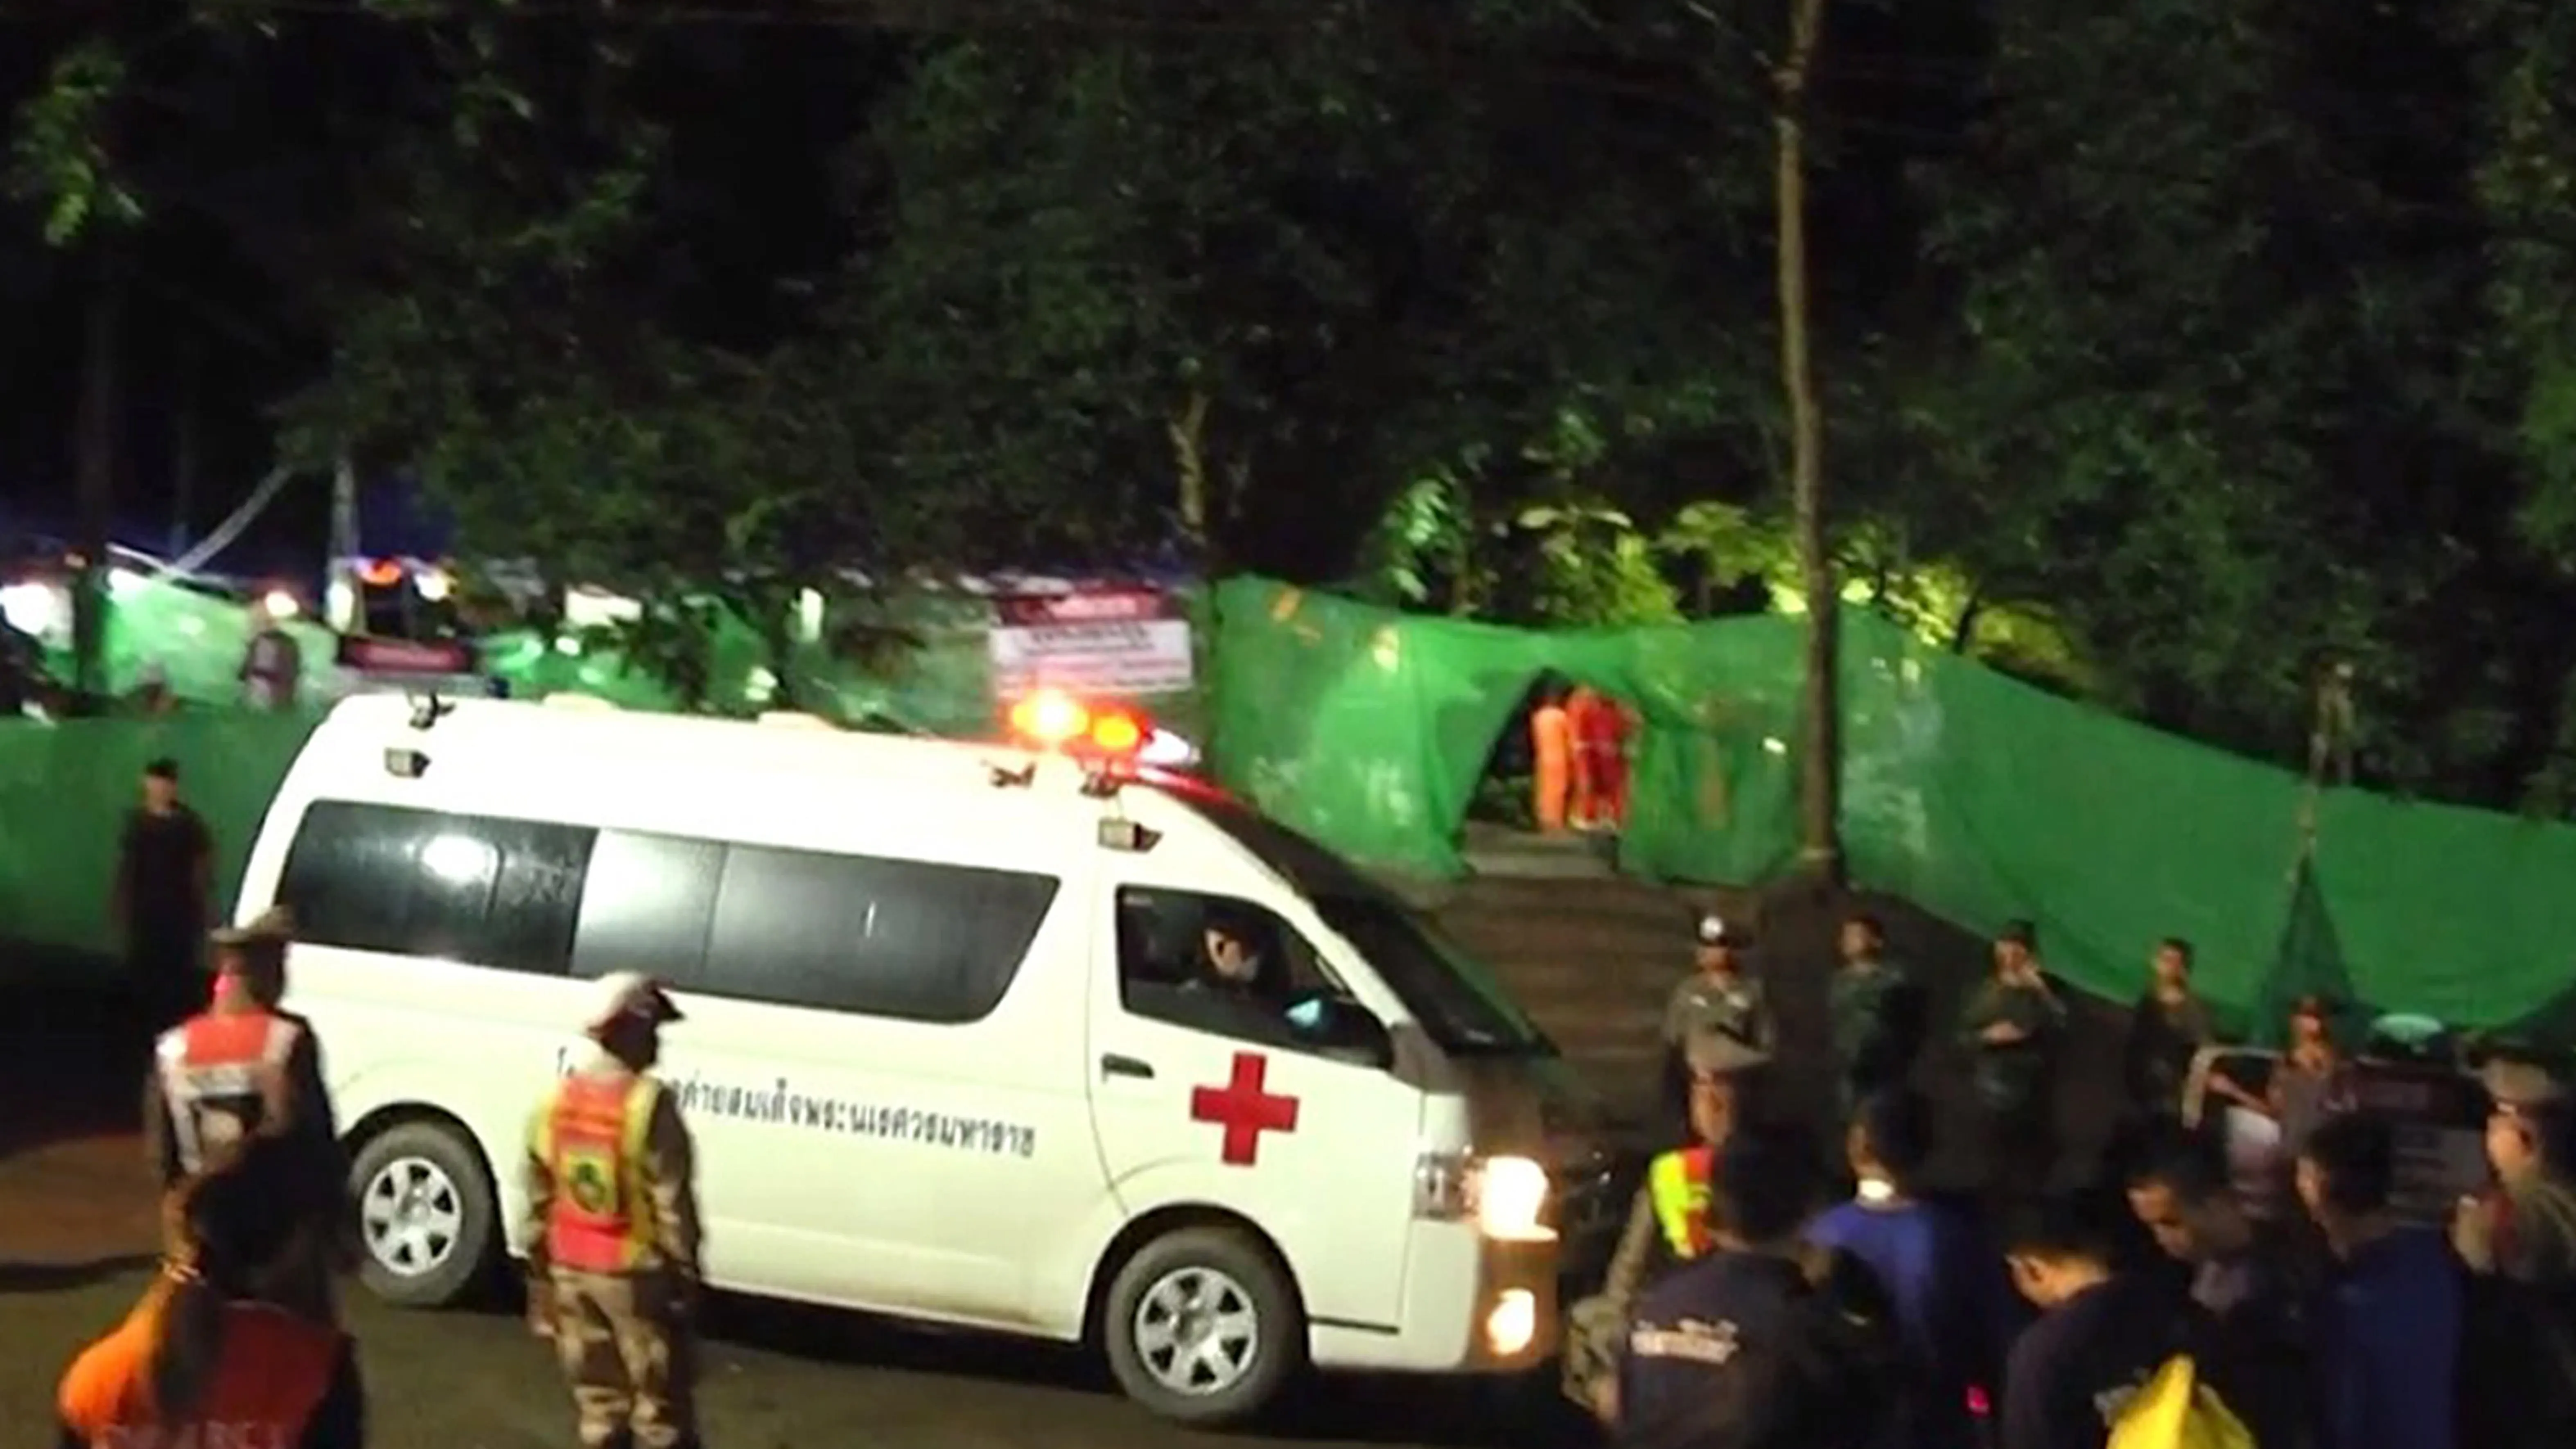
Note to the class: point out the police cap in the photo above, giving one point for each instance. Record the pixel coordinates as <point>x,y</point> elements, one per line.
<point>2522,1086</point>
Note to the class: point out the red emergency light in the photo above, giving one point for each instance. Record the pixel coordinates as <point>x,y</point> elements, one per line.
<point>1052,720</point>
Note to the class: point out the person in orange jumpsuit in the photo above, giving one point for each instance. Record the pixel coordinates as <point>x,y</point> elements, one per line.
<point>1583,709</point>
<point>1552,755</point>
<point>1601,742</point>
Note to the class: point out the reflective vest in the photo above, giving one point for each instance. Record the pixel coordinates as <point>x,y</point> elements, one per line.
<point>1677,1183</point>
<point>272,1372</point>
<point>591,1139</point>
<point>224,1078</point>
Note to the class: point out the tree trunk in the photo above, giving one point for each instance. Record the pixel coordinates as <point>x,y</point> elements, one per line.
<point>183,443</point>
<point>1821,760</point>
<point>94,447</point>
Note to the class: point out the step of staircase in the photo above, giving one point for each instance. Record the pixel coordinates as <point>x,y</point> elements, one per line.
<point>1590,955</point>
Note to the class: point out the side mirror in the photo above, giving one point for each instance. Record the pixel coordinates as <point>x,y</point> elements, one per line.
<point>1341,1027</point>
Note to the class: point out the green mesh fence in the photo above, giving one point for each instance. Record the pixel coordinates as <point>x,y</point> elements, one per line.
<point>65,790</point>
<point>1974,796</point>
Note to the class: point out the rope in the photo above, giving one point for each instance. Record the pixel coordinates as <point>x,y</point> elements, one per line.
<point>224,533</point>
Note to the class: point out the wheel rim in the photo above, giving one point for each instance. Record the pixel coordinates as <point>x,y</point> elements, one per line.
<point>412,1215</point>
<point>1197,1331</point>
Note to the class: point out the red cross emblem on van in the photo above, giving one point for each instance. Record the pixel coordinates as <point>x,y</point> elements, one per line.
<point>1244,1108</point>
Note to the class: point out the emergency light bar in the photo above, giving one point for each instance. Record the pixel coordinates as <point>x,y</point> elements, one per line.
<point>1052,720</point>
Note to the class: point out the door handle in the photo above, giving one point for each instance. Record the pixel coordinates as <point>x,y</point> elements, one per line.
<point>1114,1065</point>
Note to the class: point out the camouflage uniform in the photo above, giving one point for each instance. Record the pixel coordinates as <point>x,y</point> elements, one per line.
<point>1596,1328</point>
<point>1877,1014</point>
<point>2012,1082</point>
<point>627,1341</point>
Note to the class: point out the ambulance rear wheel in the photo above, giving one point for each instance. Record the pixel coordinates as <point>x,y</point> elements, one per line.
<point>426,1216</point>
<point>1203,1327</point>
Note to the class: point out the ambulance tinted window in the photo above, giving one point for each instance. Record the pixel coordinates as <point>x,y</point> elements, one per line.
<point>473,889</point>
<point>885,937</point>
<point>649,904</point>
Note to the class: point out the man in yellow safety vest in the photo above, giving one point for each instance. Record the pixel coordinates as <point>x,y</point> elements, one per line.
<point>1667,1226</point>
<point>612,1230</point>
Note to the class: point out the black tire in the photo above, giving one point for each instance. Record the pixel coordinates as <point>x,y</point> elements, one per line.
<point>1233,1264</point>
<point>455,1263</point>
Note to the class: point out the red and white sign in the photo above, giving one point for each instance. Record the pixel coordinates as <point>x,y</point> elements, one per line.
<point>1091,643</point>
<point>1245,1108</point>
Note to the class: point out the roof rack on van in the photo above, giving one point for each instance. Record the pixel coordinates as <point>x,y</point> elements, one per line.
<point>428,708</point>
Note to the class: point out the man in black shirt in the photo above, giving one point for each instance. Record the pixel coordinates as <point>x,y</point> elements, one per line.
<point>165,879</point>
<point>2249,1281</point>
<point>2101,1334</point>
<point>1761,1343</point>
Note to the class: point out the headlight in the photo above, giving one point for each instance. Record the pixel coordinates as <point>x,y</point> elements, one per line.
<point>1511,1200</point>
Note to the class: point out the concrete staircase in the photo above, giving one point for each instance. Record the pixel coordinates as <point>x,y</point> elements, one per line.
<point>1591,955</point>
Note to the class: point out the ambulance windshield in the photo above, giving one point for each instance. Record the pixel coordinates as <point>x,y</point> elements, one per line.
<point>1458,1003</point>
<point>1453,995</point>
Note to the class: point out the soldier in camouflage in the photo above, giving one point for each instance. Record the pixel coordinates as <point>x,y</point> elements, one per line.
<point>612,1231</point>
<point>1878,1015</point>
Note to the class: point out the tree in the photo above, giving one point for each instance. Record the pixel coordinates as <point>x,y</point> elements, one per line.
<point>2206,397</point>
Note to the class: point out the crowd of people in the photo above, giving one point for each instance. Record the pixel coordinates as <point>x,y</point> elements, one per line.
<point>1750,1304</point>
<point>2161,1298</point>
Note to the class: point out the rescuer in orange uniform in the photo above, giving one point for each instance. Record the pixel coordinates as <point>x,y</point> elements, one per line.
<point>612,1230</point>
<point>210,1357</point>
<point>246,1067</point>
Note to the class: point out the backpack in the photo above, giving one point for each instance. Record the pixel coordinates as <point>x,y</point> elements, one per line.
<point>2175,1410</point>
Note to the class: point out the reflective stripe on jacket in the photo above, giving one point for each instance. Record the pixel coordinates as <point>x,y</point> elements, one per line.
<point>592,1140</point>
<point>1678,1183</point>
<point>224,1078</point>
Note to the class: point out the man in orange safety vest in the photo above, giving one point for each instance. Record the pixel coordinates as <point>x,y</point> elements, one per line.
<point>612,1230</point>
<point>246,1067</point>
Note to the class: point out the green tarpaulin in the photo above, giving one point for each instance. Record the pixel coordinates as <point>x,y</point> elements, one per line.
<point>1972,795</point>
<point>1976,797</point>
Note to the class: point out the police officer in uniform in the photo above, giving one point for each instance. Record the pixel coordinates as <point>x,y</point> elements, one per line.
<point>2524,1228</point>
<point>1667,1225</point>
<point>1760,1344</point>
<point>612,1229</point>
<point>1718,1022</point>
<point>246,1067</point>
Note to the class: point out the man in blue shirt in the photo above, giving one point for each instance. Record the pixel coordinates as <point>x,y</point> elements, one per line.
<point>2386,1330</point>
<point>1760,1344</point>
<point>1945,1282</point>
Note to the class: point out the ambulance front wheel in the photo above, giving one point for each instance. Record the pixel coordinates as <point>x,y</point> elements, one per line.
<point>426,1215</point>
<point>1204,1327</point>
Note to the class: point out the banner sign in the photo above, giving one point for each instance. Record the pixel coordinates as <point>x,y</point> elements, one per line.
<point>452,668</point>
<point>1102,643</point>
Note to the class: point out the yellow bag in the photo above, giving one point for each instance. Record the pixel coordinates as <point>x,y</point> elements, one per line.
<point>2176,1411</point>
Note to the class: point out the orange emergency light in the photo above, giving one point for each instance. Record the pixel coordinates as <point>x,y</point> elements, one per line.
<point>1052,720</point>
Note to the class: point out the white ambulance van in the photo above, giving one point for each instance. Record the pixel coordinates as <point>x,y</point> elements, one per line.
<point>950,1052</point>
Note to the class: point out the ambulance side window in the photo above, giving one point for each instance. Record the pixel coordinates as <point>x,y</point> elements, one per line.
<point>1175,949</point>
<point>473,889</point>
